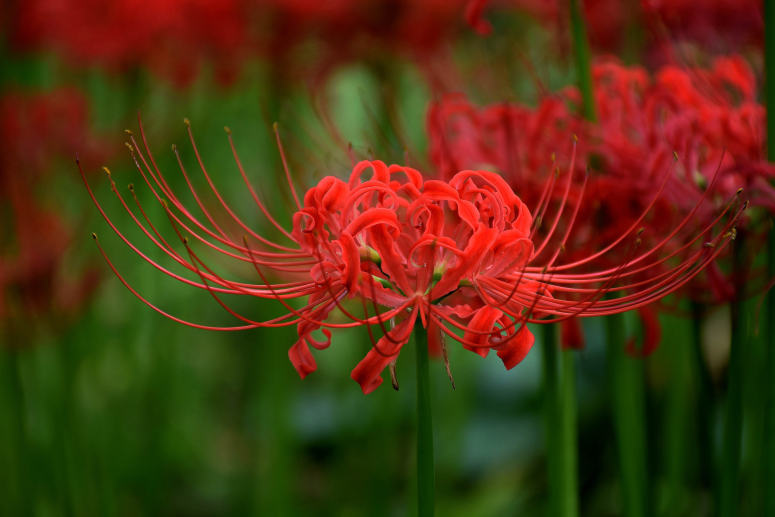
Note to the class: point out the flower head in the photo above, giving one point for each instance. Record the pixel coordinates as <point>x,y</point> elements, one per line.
<point>391,250</point>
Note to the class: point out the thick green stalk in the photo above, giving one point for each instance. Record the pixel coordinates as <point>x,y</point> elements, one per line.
<point>680,413</point>
<point>733,420</point>
<point>628,401</point>
<point>425,473</point>
<point>769,411</point>
<point>769,308</point>
<point>569,443</point>
<point>22,496</point>
<point>729,472</point>
<point>560,422</point>
<point>581,58</point>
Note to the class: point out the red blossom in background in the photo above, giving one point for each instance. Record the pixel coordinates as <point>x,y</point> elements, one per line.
<point>171,37</point>
<point>175,38</point>
<point>390,249</point>
<point>709,117</point>
<point>718,26</point>
<point>37,130</point>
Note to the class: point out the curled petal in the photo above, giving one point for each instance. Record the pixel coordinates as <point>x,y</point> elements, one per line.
<point>478,245</point>
<point>352,262</point>
<point>480,325</point>
<point>367,372</point>
<point>516,348</point>
<point>301,358</point>
<point>375,216</point>
<point>379,168</point>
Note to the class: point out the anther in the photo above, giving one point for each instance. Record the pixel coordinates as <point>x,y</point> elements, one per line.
<point>227,129</point>
<point>739,191</point>
<point>128,131</point>
<point>131,187</point>
<point>94,236</point>
<point>675,155</point>
<point>187,122</point>
<point>640,230</point>
<point>107,171</point>
<point>393,378</point>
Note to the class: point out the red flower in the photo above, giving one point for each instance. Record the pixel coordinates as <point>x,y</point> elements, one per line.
<point>36,239</point>
<point>172,37</point>
<point>708,119</point>
<point>459,257</point>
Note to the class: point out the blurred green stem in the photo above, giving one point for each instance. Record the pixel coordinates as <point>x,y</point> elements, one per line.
<point>680,411</point>
<point>560,422</point>
<point>769,308</point>
<point>733,415</point>
<point>705,395</point>
<point>769,416</point>
<point>581,58</point>
<point>23,498</point>
<point>628,401</point>
<point>425,473</point>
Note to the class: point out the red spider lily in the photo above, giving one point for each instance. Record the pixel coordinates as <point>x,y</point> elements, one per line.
<point>36,238</point>
<point>460,258</point>
<point>710,118</point>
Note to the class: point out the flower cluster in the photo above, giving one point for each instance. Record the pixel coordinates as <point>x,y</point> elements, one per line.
<point>458,257</point>
<point>708,118</point>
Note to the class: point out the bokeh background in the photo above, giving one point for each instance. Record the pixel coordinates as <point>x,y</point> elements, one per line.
<point>109,409</point>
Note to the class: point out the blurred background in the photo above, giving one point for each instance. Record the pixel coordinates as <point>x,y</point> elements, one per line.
<point>107,408</point>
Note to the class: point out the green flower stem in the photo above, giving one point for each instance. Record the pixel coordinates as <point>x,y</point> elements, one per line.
<point>769,411</point>
<point>19,490</point>
<point>581,57</point>
<point>425,472</point>
<point>769,309</point>
<point>705,395</point>
<point>679,413</point>
<point>560,422</point>
<point>628,401</point>
<point>733,419</point>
